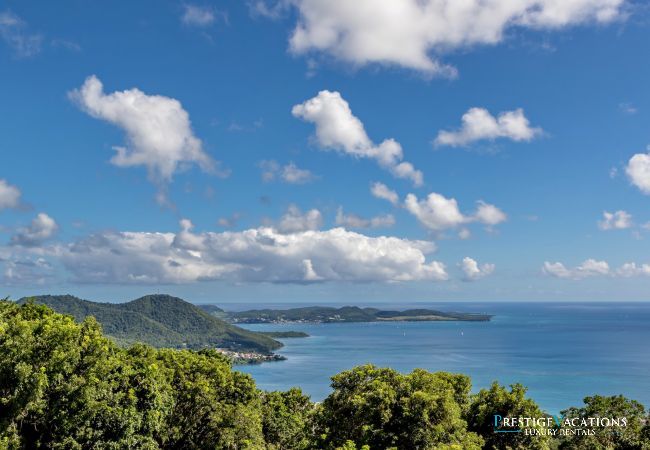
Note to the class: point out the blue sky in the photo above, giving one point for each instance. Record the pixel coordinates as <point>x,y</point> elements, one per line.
<point>258,122</point>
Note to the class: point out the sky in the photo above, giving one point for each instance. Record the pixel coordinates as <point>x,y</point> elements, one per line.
<point>326,151</point>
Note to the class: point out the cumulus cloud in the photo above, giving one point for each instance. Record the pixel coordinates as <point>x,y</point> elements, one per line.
<point>290,173</point>
<point>42,228</point>
<point>588,268</point>
<point>340,130</point>
<point>592,268</point>
<point>631,269</point>
<point>382,191</point>
<point>412,33</point>
<point>435,212</point>
<point>9,195</point>
<point>13,31</point>
<point>355,221</point>
<point>438,213</point>
<point>294,221</point>
<point>478,124</point>
<point>489,214</point>
<point>158,130</point>
<point>618,220</point>
<point>197,16</point>
<point>638,171</point>
<point>261,254</point>
<point>473,271</point>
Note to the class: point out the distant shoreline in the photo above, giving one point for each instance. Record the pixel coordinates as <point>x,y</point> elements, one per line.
<point>328,314</point>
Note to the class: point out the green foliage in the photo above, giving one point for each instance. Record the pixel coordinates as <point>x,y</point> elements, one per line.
<point>513,403</point>
<point>64,385</point>
<point>288,419</point>
<point>349,445</point>
<point>382,408</point>
<point>284,334</point>
<point>634,436</point>
<point>161,321</point>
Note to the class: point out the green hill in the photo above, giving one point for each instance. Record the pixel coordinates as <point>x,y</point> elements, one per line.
<point>160,321</point>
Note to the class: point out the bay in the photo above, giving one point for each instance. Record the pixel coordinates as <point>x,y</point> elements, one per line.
<point>561,351</point>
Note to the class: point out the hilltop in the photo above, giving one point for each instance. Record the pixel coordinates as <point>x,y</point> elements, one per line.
<point>160,321</point>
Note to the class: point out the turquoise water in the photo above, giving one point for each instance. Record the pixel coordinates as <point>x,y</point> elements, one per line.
<point>562,352</point>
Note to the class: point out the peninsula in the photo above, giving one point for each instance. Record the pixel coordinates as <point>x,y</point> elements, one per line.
<point>325,314</point>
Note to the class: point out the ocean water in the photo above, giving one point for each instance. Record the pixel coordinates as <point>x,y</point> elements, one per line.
<point>561,351</point>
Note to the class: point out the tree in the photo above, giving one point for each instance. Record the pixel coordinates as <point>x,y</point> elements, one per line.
<point>512,403</point>
<point>382,408</point>
<point>287,420</point>
<point>633,436</point>
<point>64,385</point>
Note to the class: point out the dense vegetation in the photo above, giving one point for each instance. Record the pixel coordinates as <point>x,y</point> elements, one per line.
<point>284,334</point>
<point>64,385</point>
<point>160,321</point>
<point>344,314</point>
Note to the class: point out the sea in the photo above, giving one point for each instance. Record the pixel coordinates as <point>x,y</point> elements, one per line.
<point>562,352</point>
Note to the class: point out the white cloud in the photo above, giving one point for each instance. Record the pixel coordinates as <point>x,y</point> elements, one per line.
<point>628,270</point>
<point>197,16</point>
<point>588,268</point>
<point>479,124</point>
<point>411,33</point>
<point>556,269</point>
<point>9,195</point>
<point>261,254</point>
<point>13,32</point>
<point>294,175</point>
<point>438,213</point>
<point>435,212</point>
<point>290,173</point>
<point>472,271</point>
<point>310,273</point>
<point>382,191</point>
<point>270,169</point>
<point>355,221</point>
<point>261,8</point>
<point>488,214</point>
<point>42,228</point>
<point>158,130</point>
<point>618,220</point>
<point>592,268</point>
<point>638,171</point>
<point>338,129</point>
<point>294,221</point>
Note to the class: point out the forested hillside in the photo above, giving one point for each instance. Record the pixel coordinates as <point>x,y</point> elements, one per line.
<point>160,321</point>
